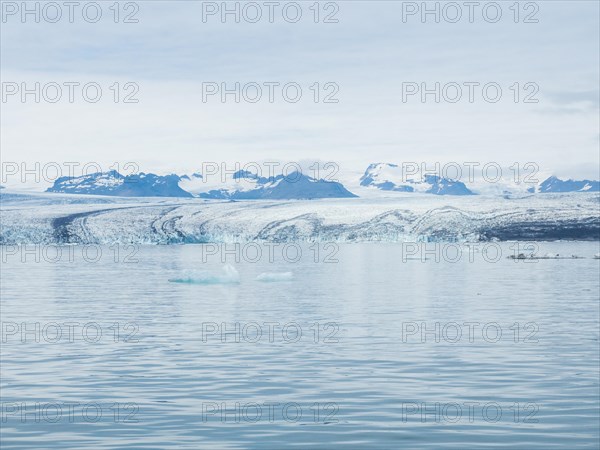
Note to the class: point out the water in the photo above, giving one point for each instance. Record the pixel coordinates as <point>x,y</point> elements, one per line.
<point>367,379</point>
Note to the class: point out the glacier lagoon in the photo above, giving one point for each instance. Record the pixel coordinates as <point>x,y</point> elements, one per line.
<point>367,345</point>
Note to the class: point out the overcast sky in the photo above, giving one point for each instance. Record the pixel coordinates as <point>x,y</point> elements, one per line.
<point>369,53</point>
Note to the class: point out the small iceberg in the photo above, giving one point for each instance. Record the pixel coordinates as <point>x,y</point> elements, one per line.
<point>272,277</point>
<point>546,256</point>
<point>521,256</point>
<point>229,275</point>
<point>558,256</point>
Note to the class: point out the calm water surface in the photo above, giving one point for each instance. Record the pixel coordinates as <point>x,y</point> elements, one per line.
<point>367,352</point>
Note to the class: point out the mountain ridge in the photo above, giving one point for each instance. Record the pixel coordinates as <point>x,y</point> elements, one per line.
<point>246,185</point>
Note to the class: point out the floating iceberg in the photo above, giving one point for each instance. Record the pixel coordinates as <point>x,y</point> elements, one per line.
<point>229,275</point>
<point>272,277</point>
<point>546,256</point>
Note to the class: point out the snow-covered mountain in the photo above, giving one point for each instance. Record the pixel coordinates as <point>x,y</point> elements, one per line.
<point>554,184</point>
<point>245,185</point>
<point>242,185</point>
<point>114,184</point>
<point>390,177</point>
<point>379,180</point>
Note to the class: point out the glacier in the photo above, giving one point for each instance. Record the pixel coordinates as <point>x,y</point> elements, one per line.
<point>412,217</point>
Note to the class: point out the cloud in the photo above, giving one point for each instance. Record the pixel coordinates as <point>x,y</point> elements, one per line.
<point>368,54</point>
